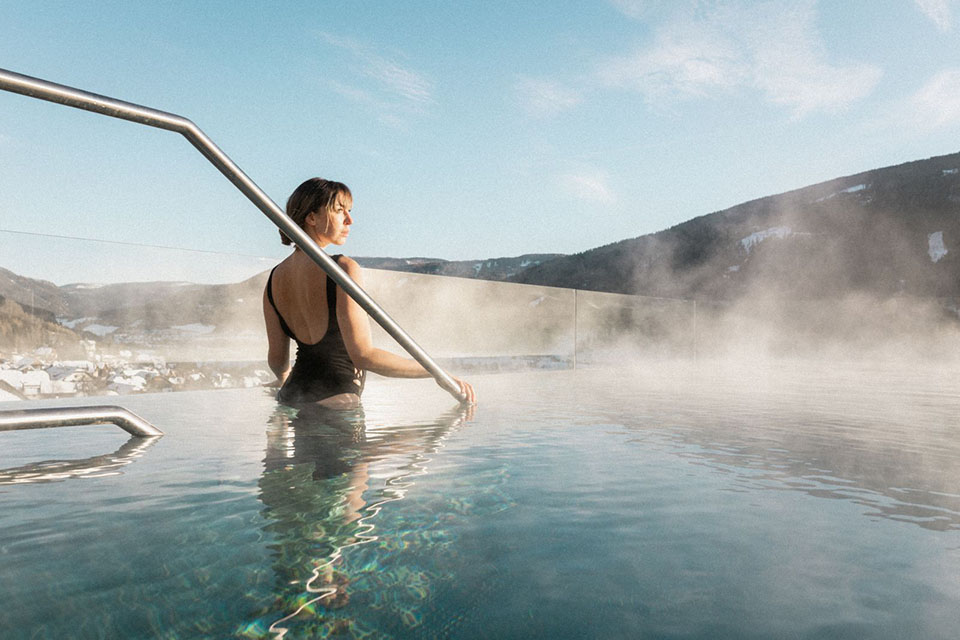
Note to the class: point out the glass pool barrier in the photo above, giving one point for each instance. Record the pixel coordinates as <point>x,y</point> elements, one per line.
<point>113,334</point>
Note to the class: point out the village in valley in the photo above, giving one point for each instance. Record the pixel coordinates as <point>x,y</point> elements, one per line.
<point>42,374</point>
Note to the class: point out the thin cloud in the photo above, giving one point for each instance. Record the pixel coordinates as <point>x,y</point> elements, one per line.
<point>544,97</point>
<point>403,82</point>
<point>730,46</point>
<point>352,93</point>
<point>931,109</point>
<point>790,66</point>
<point>685,61</point>
<point>937,103</point>
<point>590,185</point>
<point>642,9</point>
<point>381,84</point>
<point>939,11</point>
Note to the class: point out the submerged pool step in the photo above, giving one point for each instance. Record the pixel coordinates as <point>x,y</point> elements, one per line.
<point>73,416</point>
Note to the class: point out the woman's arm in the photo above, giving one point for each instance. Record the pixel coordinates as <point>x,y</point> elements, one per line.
<point>355,328</point>
<point>278,344</point>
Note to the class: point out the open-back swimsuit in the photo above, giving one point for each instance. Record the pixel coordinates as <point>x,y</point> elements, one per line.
<point>322,369</point>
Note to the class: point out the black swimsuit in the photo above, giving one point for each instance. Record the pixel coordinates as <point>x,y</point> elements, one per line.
<point>322,369</point>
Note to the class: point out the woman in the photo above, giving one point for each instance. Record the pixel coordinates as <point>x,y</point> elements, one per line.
<point>332,332</point>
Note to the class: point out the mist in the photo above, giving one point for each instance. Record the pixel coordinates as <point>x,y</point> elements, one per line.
<point>461,318</point>
<point>858,269</point>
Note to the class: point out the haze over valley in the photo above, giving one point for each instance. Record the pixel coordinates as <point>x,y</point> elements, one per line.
<point>864,260</point>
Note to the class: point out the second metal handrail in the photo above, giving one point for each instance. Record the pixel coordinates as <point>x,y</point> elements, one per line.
<point>61,94</point>
<point>73,416</point>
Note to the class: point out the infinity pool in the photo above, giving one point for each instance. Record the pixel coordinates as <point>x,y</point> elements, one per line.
<point>798,501</point>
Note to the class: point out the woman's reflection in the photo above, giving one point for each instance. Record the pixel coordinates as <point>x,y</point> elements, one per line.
<point>317,468</point>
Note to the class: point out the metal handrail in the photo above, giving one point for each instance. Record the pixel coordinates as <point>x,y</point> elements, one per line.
<point>72,416</point>
<point>61,94</point>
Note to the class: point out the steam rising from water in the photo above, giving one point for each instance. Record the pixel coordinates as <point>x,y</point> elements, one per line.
<point>785,284</point>
<point>855,269</point>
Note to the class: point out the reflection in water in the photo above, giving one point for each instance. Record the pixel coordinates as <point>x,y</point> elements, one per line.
<point>318,465</point>
<point>97,466</point>
<point>886,443</point>
<point>850,472</point>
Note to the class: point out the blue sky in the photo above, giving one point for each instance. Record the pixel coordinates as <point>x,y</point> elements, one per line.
<point>466,129</point>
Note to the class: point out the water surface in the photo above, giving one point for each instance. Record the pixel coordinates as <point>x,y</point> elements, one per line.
<point>791,501</point>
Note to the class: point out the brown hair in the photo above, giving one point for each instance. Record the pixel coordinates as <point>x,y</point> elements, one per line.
<point>313,196</point>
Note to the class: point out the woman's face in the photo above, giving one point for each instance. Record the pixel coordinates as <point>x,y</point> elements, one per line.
<point>332,226</point>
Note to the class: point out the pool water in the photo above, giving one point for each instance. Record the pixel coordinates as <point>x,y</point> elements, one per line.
<point>787,501</point>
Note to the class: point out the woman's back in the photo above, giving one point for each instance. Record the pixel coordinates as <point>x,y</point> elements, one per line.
<point>299,289</point>
<point>306,307</point>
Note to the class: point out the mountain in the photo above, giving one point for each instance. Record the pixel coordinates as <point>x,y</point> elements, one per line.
<point>160,305</point>
<point>181,319</point>
<point>890,231</point>
<point>22,330</point>
<point>490,269</point>
<point>39,297</point>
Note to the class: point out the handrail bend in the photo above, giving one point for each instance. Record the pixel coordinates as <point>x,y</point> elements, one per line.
<point>62,94</point>
<point>72,416</point>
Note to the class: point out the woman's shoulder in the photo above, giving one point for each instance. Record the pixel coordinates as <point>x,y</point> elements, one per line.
<point>348,264</point>
<point>280,269</point>
<point>352,269</point>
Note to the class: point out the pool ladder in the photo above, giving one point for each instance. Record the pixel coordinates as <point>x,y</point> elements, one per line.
<point>72,416</point>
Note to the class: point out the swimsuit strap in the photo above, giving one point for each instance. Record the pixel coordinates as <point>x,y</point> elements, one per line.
<point>283,323</point>
<point>332,299</point>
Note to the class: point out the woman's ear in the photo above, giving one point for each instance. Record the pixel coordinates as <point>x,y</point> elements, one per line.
<point>319,220</point>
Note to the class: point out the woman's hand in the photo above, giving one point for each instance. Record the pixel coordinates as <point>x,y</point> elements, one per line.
<point>276,384</point>
<point>466,389</point>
